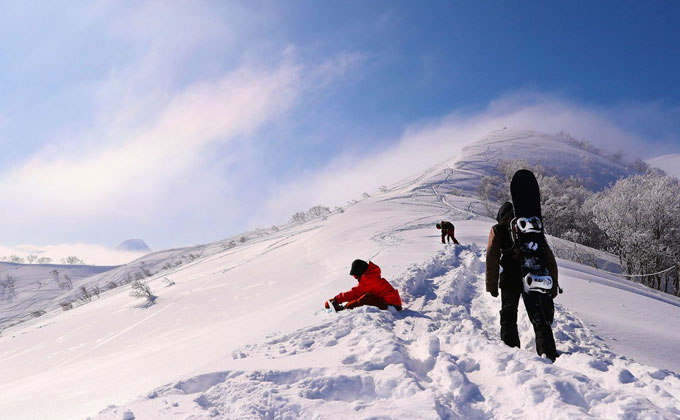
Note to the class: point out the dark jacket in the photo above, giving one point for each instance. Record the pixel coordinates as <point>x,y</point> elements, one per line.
<point>446,225</point>
<point>500,253</point>
<point>371,282</point>
<point>447,230</point>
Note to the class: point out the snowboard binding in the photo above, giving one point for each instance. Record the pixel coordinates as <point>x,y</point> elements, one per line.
<point>528,224</point>
<point>536,283</point>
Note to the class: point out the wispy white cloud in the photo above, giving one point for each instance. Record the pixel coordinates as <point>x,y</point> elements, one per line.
<point>550,113</point>
<point>168,112</point>
<point>100,182</point>
<point>341,64</point>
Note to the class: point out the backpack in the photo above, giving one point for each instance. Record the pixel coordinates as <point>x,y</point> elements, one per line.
<point>511,274</point>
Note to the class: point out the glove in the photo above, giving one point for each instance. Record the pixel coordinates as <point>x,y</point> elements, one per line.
<point>554,292</point>
<point>338,307</point>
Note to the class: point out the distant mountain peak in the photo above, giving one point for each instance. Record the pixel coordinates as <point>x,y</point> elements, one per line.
<point>133,245</point>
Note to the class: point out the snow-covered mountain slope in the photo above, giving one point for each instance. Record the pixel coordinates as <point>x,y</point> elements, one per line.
<point>561,154</point>
<point>30,290</point>
<point>239,332</point>
<point>440,358</point>
<point>668,163</point>
<point>42,288</point>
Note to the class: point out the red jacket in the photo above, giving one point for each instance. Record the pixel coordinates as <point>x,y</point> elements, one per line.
<point>371,282</point>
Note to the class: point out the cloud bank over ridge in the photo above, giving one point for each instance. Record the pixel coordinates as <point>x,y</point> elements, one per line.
<point>424,144</point>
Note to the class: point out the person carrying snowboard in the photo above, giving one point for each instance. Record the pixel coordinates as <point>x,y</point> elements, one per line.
<point>448,231</point>
<point>501,252</point>
<point>372,290</point>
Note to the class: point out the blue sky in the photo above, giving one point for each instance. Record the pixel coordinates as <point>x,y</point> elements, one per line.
<point>185,122</point>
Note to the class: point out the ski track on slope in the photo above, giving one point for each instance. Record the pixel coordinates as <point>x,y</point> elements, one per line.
<point>439,358</point>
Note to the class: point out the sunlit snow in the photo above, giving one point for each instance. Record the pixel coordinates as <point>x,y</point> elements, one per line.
<point>238,330</point>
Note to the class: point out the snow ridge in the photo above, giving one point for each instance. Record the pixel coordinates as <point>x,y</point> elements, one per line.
<point>439,358</point>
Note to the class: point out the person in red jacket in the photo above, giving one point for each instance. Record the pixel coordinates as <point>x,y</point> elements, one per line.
<point>372,290</point>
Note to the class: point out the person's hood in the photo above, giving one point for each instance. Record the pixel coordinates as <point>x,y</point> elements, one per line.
<point>358,268</point>
<point>506,211</point>
<point>373,271</point>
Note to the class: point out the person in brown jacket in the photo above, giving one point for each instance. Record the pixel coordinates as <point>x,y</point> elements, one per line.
<point>448,231</point>
<point>503,263</point>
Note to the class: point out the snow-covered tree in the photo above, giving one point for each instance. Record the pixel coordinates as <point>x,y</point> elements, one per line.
<point>315,212</point>
<point>318,211</point>
<point>16,259</point>
<point>641,217</point>
<point>561,201</point>
<point>141,289</point>
<point>617,157</point>
<point>85,295</point>
<point>298,217</point>
<point>7,285</point>
<point>67,283</point>
<point>72,260</point>
<point>640,166</point>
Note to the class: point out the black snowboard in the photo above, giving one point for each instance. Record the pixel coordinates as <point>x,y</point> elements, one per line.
<point>526,197</point>
<point>527,230</point>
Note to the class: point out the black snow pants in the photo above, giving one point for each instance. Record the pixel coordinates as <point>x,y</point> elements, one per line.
<point>541,310</point>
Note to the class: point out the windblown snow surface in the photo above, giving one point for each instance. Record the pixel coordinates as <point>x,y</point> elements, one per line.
<point>668,163</point>
<point>241,334</point>
<point>37,288</point>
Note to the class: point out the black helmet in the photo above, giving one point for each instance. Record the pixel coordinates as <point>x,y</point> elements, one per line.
<point>358,268</point>
<point>439,225</point>
<point>504,212</point>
